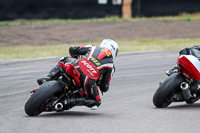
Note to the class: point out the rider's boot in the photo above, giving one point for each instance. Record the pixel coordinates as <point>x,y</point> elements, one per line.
<point>175,69</point>
<point>81,101</point>
<point>93,104</point>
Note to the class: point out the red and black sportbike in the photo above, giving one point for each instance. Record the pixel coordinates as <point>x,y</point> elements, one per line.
<point>182,86</point>
<point>54,95</point>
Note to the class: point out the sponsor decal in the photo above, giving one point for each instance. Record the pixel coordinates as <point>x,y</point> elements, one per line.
<point>104,52</point>
<point>95,61</point>
<point>92,70</point>
<point>88,68</point>
<point>108,52</point>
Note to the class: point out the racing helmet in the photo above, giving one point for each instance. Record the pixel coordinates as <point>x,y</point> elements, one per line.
<point>111,45</point>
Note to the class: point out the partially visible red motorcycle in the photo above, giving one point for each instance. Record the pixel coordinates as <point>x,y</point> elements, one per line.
<point>183,86</point>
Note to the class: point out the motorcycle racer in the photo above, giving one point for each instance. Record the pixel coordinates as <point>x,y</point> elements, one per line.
<point>100,60</point>
<point>195,51</point>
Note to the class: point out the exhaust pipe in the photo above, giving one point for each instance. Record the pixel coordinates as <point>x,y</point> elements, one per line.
<point>59,106</point>
<point>185,90</point>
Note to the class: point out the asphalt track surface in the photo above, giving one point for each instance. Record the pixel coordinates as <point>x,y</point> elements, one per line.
<point>126,108</point>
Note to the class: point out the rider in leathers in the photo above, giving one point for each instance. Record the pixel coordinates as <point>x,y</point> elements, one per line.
<point>195,51</point>
<point>102,58</point>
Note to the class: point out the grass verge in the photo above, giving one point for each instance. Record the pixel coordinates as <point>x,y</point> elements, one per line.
<point>182,16</point>
<point>19,52</point>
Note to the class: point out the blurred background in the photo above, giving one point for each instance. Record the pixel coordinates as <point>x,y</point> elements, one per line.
<point>78,9</point>
<point>44,28</point>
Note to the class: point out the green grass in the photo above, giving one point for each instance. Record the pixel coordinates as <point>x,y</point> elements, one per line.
<point>18,52</point>
<point>183,16</point>
<point>157,44</point>
<point>52,21</point>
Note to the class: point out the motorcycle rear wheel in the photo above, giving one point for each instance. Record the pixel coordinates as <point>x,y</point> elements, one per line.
<point>161,98</point>
<point>36,103</point>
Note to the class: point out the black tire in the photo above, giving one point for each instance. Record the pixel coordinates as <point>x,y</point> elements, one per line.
<point>165,90</point>
<point>190,102</point>
<point>33,106</point>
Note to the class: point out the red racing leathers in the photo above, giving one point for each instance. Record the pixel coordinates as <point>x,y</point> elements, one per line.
<point>101,59</point>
